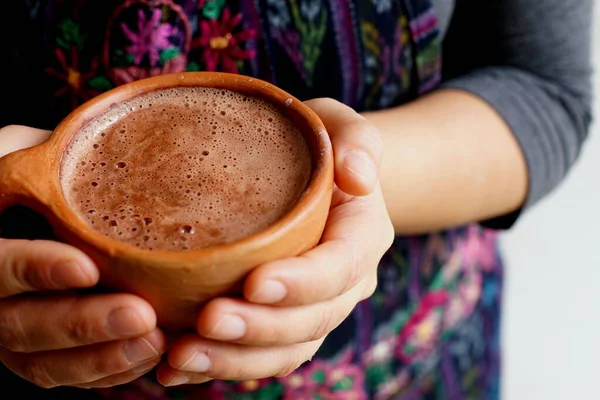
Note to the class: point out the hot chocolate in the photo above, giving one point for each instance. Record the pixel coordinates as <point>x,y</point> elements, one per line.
<point>185,168</point>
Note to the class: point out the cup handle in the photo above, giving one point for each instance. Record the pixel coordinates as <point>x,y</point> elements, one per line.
<point>23,179</point>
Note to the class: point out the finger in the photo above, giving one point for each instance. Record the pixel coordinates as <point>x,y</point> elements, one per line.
<point>258,325</point>
<point>197,360</point>
<point>356,236</point>
<point>48,323</point>
<point>84,364</point>
<point>122,378</point>
<point>357,146</point>
<point>17,137</point>
<point>31,266</point>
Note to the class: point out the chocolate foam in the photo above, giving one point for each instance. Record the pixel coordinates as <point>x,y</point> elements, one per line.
<point>186,168</point>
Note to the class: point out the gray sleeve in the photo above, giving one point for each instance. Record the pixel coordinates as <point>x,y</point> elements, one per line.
<point>531,61</point>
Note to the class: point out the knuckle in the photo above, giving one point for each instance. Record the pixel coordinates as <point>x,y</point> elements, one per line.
<point>354,270</point>
<point>238,372</point>
<point>12,334</point>
<point>370,288</point>
<point>229,371</point>
<point>323,326</point>
<point>102,366</point>
<point>295,359</point>
<point>35,372</point>
<point>80,331</point>
<point>287,370</point>
<point>20,277</point>
<point>292,363</point>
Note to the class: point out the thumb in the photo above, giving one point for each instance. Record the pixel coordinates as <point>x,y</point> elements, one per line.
<point>17,137</point>
<point>357,146</point>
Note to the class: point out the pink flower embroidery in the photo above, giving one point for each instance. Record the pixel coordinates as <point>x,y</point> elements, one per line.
<point>479,249</point>
<point>221,48</point>
<point>394,386</point>
<point>74,80</point>
<point>150,39</point>
<point>381,352</point>
<point>319,379</point>
<point>422,330</point>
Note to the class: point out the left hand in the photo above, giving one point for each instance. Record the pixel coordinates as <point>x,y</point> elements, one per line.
<point>291,305</point>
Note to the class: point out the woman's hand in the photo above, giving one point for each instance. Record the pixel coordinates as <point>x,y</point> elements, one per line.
<point>52,336</point>
<point>291,305</point>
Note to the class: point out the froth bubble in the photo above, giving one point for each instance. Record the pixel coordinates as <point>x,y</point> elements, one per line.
<point>187,229</point>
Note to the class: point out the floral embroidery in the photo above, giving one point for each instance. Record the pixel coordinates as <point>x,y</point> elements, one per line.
<point>252,389</point>
<point>151,37</point>
<point>70,35</point>
<point>323,380</point>
<point>75,83</point>
<point>212,8</point>
<point>382,5</point>
<point>156,43</point>
<point>420,334</point>
<point>34,7</point>
<point>388,64</point>
<point>306,34</point>
<point>221,48</point>
<point>310,9</point>
<point>426,330</point>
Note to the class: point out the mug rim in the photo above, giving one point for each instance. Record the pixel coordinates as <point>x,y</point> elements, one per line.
<point>320,181</point>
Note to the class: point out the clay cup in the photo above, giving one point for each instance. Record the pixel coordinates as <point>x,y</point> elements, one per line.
<point>176,284</point>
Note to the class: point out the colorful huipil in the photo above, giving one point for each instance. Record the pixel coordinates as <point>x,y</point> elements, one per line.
<point>431,329</point>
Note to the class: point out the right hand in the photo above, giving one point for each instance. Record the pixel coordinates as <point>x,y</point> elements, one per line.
<point>50,335</point>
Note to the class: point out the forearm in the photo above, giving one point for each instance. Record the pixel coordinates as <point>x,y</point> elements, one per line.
<point>449,159</point>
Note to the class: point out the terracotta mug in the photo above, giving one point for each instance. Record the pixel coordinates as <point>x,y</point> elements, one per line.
<point>177,284</point>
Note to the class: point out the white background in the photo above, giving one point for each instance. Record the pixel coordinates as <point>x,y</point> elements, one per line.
<point>551,328</point>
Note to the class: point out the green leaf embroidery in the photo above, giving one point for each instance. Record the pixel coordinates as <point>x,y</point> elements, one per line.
<point>62,43</point>
<point>213,8</point>
<point>193,66</point>
<point>378,374</point>
<point>312,35</point>
<point>401,319</point>
<point>70,35</point>
<point>272,391</point>
<point>319,377</point>
<point>343,384</point>
<point>167,55</point>
<point>100,83</point>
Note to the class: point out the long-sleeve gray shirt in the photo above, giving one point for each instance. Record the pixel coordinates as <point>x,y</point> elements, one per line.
<point>531,60</point>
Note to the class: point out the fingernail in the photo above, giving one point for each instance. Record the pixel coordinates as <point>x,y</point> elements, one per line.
<point>270,292</point>
<point>360,164</point>
<point>125,322</point>
<point>178,380</point>
<point>198,362</point>
<point>139,350</point>
<point>230,327</point>
<point>72,274</point>
<point>145,367</point>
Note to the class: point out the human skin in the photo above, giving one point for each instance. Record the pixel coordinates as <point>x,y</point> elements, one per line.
<point>448,159</point>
